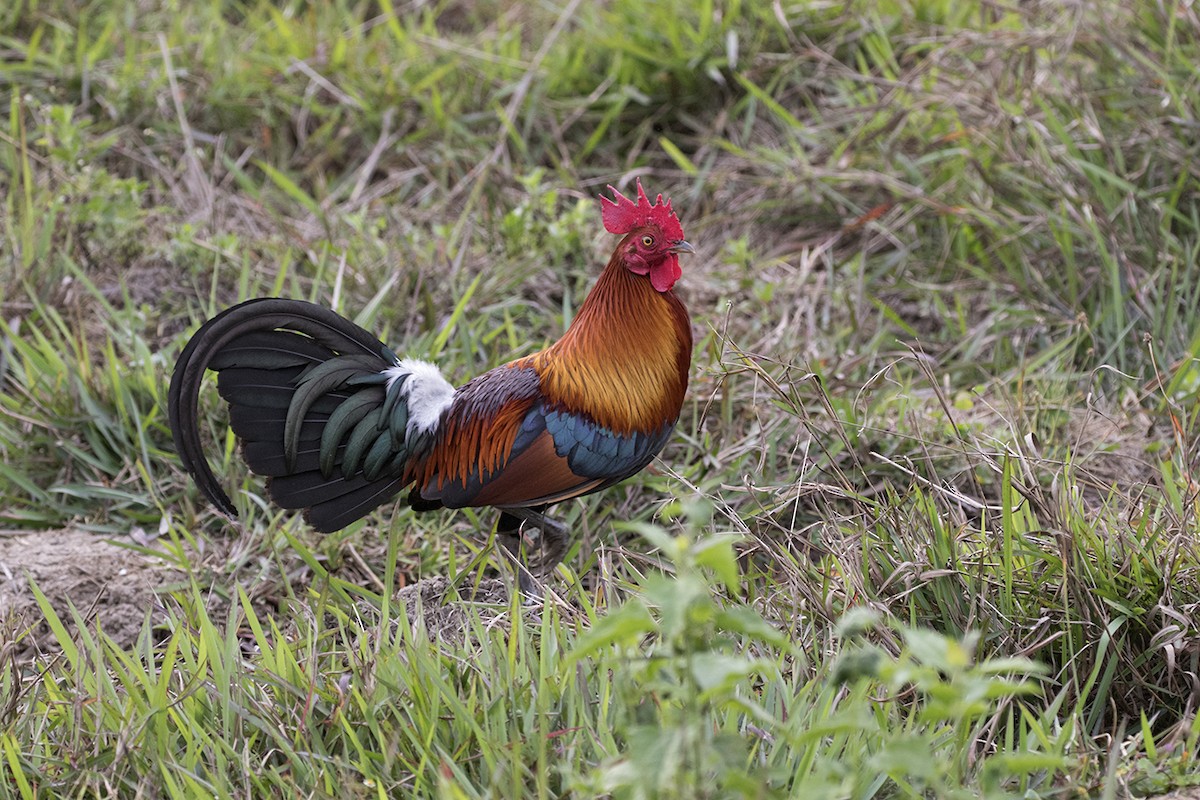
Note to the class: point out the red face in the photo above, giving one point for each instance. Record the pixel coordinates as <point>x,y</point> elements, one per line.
<point>653,236</point>
<point>647,251</point>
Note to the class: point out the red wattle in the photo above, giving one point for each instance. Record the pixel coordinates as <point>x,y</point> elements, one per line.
<point>664,274</point>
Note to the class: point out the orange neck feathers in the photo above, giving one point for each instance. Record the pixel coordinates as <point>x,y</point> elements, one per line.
<point>624,361</point>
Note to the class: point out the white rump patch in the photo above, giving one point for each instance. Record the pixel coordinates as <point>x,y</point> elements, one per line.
<point>428,393</point>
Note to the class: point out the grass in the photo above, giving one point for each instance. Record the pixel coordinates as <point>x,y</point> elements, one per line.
<point>929,523</point>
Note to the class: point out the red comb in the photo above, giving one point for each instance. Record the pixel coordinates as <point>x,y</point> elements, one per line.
<point>623,215</point>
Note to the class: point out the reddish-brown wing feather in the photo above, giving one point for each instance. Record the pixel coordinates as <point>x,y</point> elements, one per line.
<point>535,476</point>
<point>478,435</point>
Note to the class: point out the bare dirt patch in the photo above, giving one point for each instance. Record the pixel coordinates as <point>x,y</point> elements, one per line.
<point>114,585</point>
<point>116,589</point>
<point>433,604</point>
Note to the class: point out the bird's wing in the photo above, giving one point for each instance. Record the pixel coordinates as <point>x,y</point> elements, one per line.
<point>480,435</point>
<point>502,443</point>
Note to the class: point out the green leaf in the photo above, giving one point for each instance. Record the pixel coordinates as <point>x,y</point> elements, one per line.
<point>713,671</point>
<point>856,622</point>
<point>289,187</point>
<point>716,553</point>
<point>655,536</point>
<point>12,749</point>
<point>748,622</point>
<point>620,628</point>
<point>787,117</point>
<point>677,155</point>
<point>935,650</point>
<point>460,308</point>
<point>64,639</point>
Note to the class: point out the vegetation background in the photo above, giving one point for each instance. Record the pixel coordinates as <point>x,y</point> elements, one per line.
<point>929,525</point>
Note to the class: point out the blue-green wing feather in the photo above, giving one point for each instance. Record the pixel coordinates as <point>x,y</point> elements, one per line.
<point>594,451</point>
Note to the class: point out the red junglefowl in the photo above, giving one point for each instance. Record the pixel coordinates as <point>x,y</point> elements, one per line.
<point>340,425</point>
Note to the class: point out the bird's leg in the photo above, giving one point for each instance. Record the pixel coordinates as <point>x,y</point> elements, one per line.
<point>552,542</point>
<point>508,528</point>
<point>554,538</point>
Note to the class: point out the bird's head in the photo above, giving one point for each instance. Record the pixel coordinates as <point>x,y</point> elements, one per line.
<point>653,236</point>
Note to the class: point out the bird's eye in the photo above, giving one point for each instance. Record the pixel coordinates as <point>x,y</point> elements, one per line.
<point>647,241</point>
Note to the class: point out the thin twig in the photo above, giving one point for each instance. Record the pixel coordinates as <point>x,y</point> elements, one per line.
<point>386,139</point>
<point>199,184</point>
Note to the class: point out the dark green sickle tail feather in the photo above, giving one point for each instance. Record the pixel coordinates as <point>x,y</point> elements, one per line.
<point>319,404</point>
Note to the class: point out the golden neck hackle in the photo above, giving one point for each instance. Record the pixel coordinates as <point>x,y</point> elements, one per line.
<point>624,360</point>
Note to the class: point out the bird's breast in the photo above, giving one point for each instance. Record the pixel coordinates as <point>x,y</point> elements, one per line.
<point>625,377</point>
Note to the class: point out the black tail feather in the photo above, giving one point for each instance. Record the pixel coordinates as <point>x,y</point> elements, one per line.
<point>339,512</point>
<point>311,489</point>
<point>266,424</point>
<point>267,458</point>
<point>264,388</point>
<point>261,347</point>
<point>271,350</point>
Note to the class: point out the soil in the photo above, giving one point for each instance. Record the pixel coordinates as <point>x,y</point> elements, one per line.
<point>432,603</point>
<point>102,580</point>
<point>118,589</point>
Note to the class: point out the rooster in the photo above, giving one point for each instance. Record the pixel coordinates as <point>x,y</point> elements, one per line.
<point>340,425</point>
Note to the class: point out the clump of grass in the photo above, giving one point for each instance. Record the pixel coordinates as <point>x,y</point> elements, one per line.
<point>687,695</point>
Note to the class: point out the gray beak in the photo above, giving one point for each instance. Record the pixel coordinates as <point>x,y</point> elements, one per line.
<point>682,247</point>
